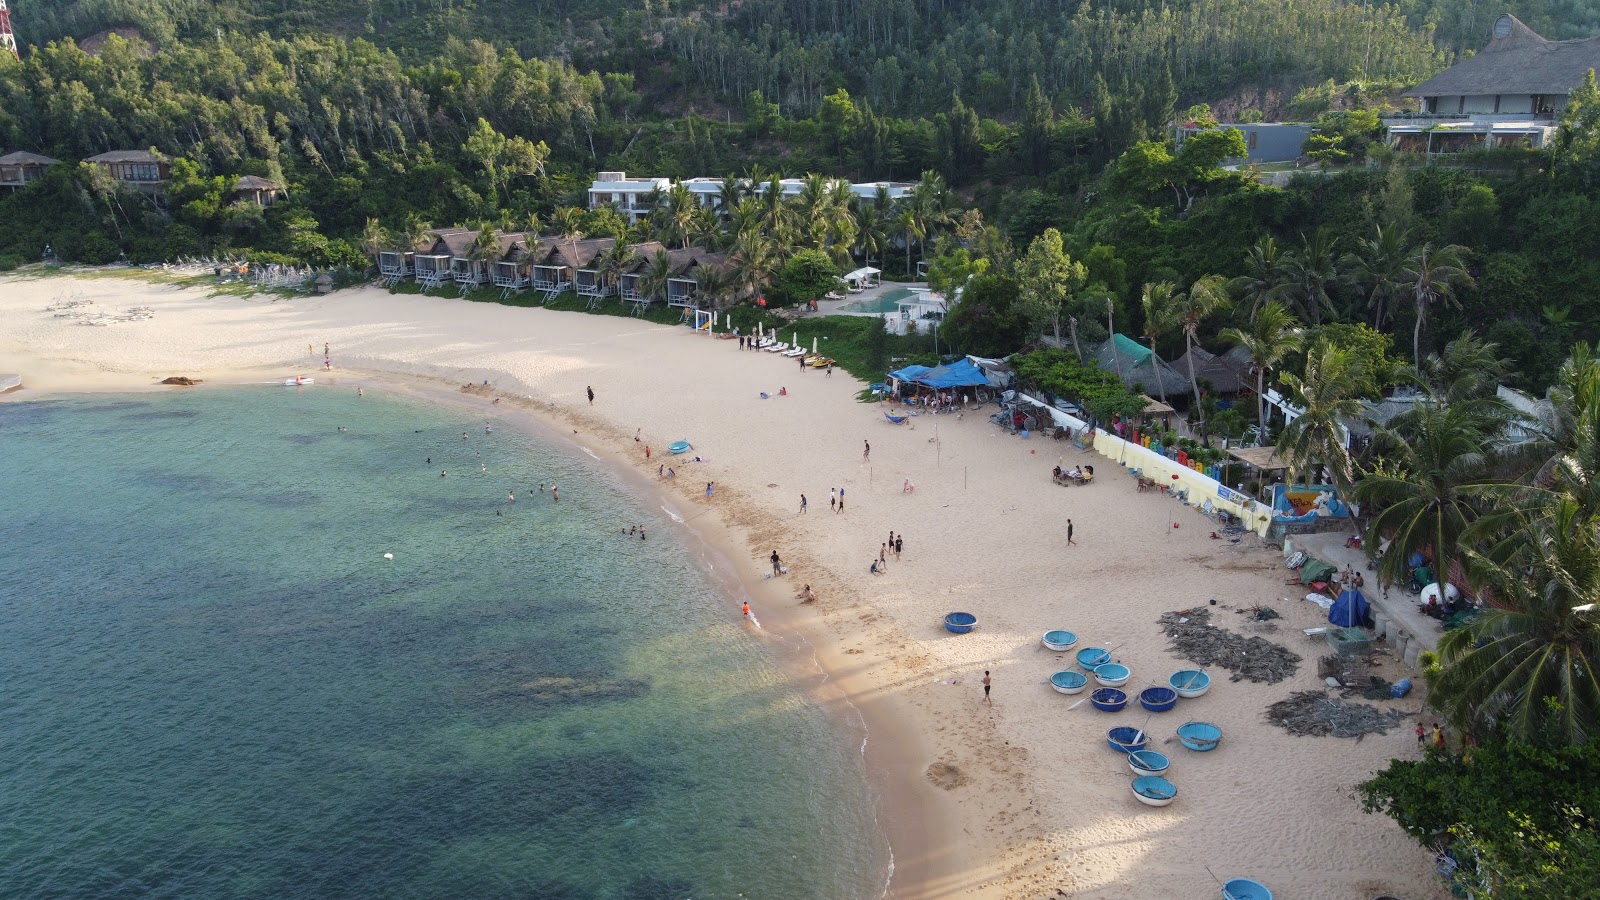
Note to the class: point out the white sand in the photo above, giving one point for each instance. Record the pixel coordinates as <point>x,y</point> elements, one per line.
<point>1032,801</point>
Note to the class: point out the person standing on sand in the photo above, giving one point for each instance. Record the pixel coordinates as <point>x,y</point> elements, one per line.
<point>661,469</point>
<point>833,499</point>
<point>802,504</point>
<point>1438,737</point>
<point>589,389</point>
<point>841,500</point>
<point>1070,541</point>
<point>866,451</point>
<point>883,554</point>
<point>777,565</point>
<point>986,685</point>
<point>899,544</point>
<point>646,451</point>
<point>326,349</point>
<point>747,609</point>
<point>802,360</point>
<point>828,371</point>
<point>710,486</point>
<point>1420,733</point>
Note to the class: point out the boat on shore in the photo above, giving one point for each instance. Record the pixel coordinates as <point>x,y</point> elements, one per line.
<point>298,381</point>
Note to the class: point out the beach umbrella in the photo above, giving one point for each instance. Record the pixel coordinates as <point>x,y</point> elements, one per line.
<point>796,339</point>
<point>813,345</point>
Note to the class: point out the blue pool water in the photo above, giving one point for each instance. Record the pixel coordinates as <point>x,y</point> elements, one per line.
<point>887,302</point>
<point>215,685</point>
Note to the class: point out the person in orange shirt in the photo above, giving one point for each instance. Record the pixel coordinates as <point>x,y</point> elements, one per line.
<point>747,609</point>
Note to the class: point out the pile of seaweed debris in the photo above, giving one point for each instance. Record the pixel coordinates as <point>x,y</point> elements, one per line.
<point>1254,658</point>
<point>1317,714</point>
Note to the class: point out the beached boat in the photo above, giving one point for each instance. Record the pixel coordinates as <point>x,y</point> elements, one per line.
<point>1201,736</point>
<point>1126,740</point>
<point>1148,762</point>
<point>960,622</point>
<point>1069,682</point>
<point>1108,699</point>
<point>1059,640</point>
<point>679,447</point>
<point>1245,889</point>
<point>1158,699</point>
<point>1089,657</point>
<point>1153,790</point>
<point>1112,674</point>
<point>1190,683</point>
<point>298,381</point>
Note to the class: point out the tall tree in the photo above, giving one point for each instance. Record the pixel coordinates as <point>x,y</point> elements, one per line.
<point>1205,297</point>
<point>1263,280</point>
<point>1377,268</point>
<point>1273,334</point>
<point>1432,277</point>
<point>1047,281</point>
<point>1313,271</point>
<point>1329,392</point>
<point>1161,312</point>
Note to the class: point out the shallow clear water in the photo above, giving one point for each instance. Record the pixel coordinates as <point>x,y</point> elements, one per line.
<point>215,686</point>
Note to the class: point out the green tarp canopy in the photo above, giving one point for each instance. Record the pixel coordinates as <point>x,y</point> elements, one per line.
<point>1316,570</point>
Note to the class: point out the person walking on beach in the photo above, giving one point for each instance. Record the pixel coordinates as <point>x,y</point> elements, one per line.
<point>646,451</point>
<point>883,554</point>
<point>833,499</point>
<point>1420,732</point>
<point>802,361</point>
<point>777,565</point>
<point>987,683</point>
<point>899,544</point>
<point>802,504</point>
<point>710,486</point>
<point>747,609</point>
<point>866,451</point>
<point>326,349</point>
<point>590,390</point>
<point>1070,541</point>
<point>841,500</point>
<point>828,372</point>
<point>661,469</point>
<point>741,342</point>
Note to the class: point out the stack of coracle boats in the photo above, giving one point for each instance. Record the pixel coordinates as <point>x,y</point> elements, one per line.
<point>1150,783</point>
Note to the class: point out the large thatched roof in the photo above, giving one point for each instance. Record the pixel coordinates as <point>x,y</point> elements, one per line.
<point>1519,62</point>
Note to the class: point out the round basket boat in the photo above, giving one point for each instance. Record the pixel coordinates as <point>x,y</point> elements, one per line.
<point>960,622</point>
<point>1060,640</point>
<point>1158,699</point>
<point>1069,682</point>
<point>1200,736</point>
<point>1089,657</point>
<point>679,447</point>
<point>1148,762</point>
<point>1108,699</point>
<point>1190,683</point>
<point>1126,740</point>
<point>1245,889</point>
<point>1112,674</point>
<point>1153,790</point>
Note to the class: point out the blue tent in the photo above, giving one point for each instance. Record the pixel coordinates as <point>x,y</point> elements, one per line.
<point>909,372</point>
<point>1350,610</point>
<point>961,373</point>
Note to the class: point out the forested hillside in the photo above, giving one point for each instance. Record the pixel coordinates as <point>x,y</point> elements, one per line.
<point>902,56</point>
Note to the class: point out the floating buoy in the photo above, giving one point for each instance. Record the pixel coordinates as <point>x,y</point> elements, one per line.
<point>388,556</point>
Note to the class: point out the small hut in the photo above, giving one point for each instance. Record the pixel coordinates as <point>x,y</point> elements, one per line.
<point>19,169</point>
<point>140,168</point>
<point>262,192</point>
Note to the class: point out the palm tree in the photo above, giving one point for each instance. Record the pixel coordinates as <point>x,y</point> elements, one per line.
<point>680,213</point>
<point>754,261</point>
<point>930,200</point>
<point>1329,391</point>
<point>910,227</point>
<point>1160,304</point>
<point>1425,489</point>
<point>485,250</point>
<point>872,232</point>
<point>730,194</point>
<point>653,280</point>
<point>1377,269</point>
<point>1273,334</point>
<point>615,261</point>
<point>375,239</point>
<point>713,284</point>
<point>419,234</point>
<point>569,224</point>
<point>1432,276</point>
<point>1263,281</point>
<point>1205,297</point>
<point>1528,667</point>
<point>1312,271</point>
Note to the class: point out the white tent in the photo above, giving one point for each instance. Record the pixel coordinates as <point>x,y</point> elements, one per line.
<point>863,278</point>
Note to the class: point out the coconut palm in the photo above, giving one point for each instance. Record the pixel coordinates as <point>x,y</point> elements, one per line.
<point>730,194</point>
<point>1433,277</point>
<point>1312,272</point>
<point>754,260</point>
<point>1528,667</point>
<point>1160,304</point>
<point>910,227</point>
<point>932,204</point>
<point>1377,269</point>
<point>568,223</point>
<point>713,284</point>
<point>615,261</point>
<point>375,239</point>
<point>418,234</point>
<point>653,280</point>
<point>1329,391</point>
<point>680,214</point>
<point>1263,281</point>
<point>1206,296</point>
<point>1427,487</point>
<point>1274,333</point>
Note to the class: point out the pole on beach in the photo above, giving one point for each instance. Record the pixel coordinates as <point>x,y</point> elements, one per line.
<point>963,478</point>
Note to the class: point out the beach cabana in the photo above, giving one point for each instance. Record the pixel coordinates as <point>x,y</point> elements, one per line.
<point>21,168</point>
<point>959,374</point>
<point>262,192</point>
<point>394,265</point>
<point>862,278</point>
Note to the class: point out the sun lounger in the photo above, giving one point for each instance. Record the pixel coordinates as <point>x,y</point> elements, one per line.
<point>795,351</point>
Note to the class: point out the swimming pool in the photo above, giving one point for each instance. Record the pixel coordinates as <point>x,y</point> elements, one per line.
<point>887,302</point>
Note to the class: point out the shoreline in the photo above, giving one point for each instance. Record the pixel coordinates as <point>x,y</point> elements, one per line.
<point>1017,799</point>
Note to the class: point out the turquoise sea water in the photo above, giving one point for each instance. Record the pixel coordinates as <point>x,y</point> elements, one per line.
<point>215,686</point>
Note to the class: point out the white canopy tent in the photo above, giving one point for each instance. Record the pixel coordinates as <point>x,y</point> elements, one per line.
<point>863,278</point>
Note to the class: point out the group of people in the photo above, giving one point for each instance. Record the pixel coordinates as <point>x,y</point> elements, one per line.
<point>896,545</point>
<point>1075,475</point>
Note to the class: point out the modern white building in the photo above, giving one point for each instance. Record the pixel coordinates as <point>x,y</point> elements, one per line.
<point>630,196</point>
<point>1511,93</point>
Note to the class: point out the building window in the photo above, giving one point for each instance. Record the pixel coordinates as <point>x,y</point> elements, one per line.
<point>1250,143</point>
<point>1461,104</point>
<point>1497,103</point>
<point>1542,105</point>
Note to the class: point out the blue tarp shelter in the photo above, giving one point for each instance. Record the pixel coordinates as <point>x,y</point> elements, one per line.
<point>961,373</point>
<point>1350,610</point>
<point>909,373</point>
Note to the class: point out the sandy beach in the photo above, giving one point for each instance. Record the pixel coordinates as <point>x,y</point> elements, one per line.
<point>1021,798</point>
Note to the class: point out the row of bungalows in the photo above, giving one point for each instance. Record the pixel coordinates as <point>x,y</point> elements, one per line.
<point>142,170</point>
<point>549,265</point>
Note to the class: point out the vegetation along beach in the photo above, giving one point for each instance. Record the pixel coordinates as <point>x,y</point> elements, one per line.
<point>617,450</point>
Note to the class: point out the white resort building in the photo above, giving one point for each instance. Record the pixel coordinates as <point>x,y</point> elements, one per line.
<point>635,197</point>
